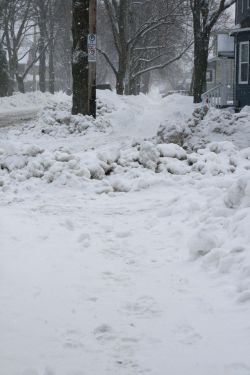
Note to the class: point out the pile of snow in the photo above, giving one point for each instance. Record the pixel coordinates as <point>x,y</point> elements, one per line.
<point>64,143</point>
<point>30,101</point>
<point>56,120</point>
<point>139,116</point>
<point>222,241</point>
<point>219,125</point>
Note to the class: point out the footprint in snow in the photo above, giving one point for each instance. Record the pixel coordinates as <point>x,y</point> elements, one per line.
<point>103,333</point>
<point>102,329</point>
<point>49,371</point>
<point>145,306</point>
<point>123,234</point>
<point>73,339</point>
<point>237,369</point>
<point>84,237</point>
<point>244,297</point>
<point>73,344</point>
<point>187,335</point>
<point>30,372</point>
<point>68,224</point>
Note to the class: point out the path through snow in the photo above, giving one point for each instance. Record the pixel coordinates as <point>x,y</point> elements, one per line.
<point>104,286</point>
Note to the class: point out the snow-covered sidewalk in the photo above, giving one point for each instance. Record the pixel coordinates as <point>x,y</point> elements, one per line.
<point>141,269</point>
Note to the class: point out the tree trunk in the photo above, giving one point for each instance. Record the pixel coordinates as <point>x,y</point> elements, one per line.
<point>80,28</point>
<point>145,80</point>
<point>51,48</point>
<point>42,65</point>
<point>191,88</point>
<point>133,87</point>
<point>42,48</point>
<point>20,83</point>
<point>12,70</point>
<point>200,65</point>
<point>120,76</point>
<point>4,78</point>
<point>51,69</point>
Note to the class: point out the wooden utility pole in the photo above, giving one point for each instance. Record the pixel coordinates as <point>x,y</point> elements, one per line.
<point>92,58</point>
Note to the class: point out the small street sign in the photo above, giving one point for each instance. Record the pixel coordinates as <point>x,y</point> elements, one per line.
<point>92,48</point>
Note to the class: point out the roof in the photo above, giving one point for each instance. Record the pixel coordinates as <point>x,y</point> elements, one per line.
<point>240,30</point>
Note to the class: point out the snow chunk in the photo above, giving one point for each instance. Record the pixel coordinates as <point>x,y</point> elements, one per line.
<point>96,172</point>
<point>219,147</point>
<point>120,185</point>
<point>173,166</point>
<point>32,150</point>
<point>63,156</point>
<point>172,132</point>
<point>12,162</point>
<point>149,155</point>
<point>238,194</point>
<point>201,244</point>
<point>172,150</point>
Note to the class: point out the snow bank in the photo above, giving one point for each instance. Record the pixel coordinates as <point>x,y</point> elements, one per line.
<point>219,126</point>
<point>32,100</point>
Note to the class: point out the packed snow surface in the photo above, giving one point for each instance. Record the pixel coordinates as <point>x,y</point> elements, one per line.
<point>124,241</point>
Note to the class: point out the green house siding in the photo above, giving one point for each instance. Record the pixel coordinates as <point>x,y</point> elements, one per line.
<point>242,91</point>
<point>242,12</point>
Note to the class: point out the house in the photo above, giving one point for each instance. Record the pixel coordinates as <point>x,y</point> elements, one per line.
<point>221,71</point>
<point>241,34</point>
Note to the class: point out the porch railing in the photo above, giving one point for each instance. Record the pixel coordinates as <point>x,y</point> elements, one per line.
<point>212,97</point>
<point>219,96</point>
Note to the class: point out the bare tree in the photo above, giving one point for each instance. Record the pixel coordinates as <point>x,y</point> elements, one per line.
<point>42,17</point>
<point>148,35</point>
<point>205,15</point>
<point>62,45</point>
<point>17,25</point>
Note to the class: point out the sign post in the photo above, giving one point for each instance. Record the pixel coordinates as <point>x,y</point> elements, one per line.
<point>92,48</point>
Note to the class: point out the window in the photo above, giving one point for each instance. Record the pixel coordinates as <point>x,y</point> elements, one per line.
<point>244,62</point>
<point>248,4</point>
<point>210,76</point>
<point>242,6</point>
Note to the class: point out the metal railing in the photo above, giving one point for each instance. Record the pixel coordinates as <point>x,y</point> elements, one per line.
<point>212,97</point>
